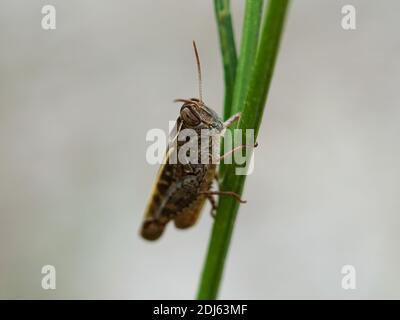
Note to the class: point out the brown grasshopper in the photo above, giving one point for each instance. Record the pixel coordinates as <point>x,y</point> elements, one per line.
<point>181,189</point>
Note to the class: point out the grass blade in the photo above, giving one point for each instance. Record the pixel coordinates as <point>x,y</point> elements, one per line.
<point>251,119</point>
<point>228,49</point>
<point>248,49</point>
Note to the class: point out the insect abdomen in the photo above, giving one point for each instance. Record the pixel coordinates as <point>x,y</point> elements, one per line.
<point>177,196</point>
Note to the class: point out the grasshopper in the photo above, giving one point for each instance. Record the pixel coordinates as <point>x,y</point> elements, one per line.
<point>181,189</point>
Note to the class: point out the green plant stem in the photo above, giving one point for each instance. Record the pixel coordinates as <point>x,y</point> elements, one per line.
<point>248,49</point>
<point>228,50</point>
<point>251,119</point>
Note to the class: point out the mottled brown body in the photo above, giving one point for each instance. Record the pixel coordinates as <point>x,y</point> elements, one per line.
<point>179,190</point>
<point>182,187</point>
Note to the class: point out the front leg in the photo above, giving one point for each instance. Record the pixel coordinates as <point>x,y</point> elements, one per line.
<point>232,119</point>
<point>243,146</point>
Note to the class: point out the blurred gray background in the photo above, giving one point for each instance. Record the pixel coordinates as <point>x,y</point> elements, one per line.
<point>75,106</point>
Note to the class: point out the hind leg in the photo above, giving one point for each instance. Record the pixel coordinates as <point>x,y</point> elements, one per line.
<point>213,203</point>
<point>189,216</point>
<point>225,193</point>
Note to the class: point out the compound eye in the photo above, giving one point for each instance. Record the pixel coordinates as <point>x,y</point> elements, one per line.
<point>189,116</point>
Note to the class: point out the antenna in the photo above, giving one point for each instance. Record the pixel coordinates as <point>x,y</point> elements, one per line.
<point>198,71</point>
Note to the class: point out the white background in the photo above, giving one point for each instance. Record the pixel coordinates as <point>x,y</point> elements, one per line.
<point>75,106</point>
